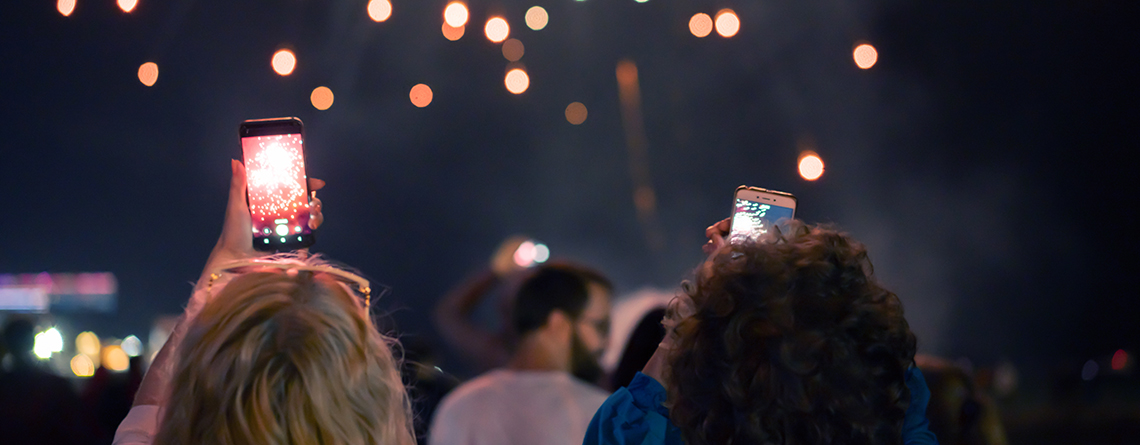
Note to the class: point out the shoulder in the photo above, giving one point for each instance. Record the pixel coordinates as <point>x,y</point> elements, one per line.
<point>476,391</point>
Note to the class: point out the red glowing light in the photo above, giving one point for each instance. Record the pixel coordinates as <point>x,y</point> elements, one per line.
<point>1119,360</point>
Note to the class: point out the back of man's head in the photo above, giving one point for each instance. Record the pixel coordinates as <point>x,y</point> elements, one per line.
<point>552,287</point>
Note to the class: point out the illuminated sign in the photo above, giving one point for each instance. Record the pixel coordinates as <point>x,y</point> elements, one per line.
<point>62,292</point>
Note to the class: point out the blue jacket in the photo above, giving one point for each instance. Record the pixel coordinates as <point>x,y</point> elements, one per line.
<point>636,416</point>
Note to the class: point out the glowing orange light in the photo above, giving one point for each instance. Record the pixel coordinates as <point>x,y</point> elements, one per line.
<point>727,23</point>
<point>701,25</point>
<point>576,113</point>
<point>536,18</point>
<point>497,29</point>
<point>865,56</point>
<point>128,5</point>
<point>516,81</point>
<point>115,359</point>
<point>513,50</point>
<point>420,95</point>
<point>452,33</point>
<point>65,7</point>
<point>1119,360</point>
<point>148,73</point>
<point>322,98</point>
<point>811,166</point>
<point>455,14</point>
<point>88,343</point>
<point>82,366</point>
<point>284,61</point>
<point>379,10</point>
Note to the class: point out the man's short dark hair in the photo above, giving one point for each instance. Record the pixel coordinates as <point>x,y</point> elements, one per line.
<point>553,287</point>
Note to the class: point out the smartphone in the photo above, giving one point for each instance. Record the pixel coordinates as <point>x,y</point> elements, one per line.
<point>277,187</point>
<point>755,211</point>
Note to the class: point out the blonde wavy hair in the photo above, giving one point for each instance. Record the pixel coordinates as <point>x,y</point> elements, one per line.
<point>285,357</point>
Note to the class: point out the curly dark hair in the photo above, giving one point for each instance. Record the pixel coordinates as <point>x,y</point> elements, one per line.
<point>792,342</point>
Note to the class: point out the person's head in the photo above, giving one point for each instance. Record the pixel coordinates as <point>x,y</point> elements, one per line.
<point>285,356</point>
<point>792,341</point>
<point>568,308</point>
<point>19,338</point>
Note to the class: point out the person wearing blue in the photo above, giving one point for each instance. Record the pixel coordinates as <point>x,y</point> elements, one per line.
<point>783,340</point>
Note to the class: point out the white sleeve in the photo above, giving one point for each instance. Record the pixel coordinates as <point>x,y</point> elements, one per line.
<point>139,427</point>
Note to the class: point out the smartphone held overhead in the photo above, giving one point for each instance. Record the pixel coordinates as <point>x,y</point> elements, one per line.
<point>277,185</point>
<point>755,211</point>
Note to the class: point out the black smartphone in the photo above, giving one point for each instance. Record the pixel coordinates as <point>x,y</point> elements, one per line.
<point>756,210</point>
<point>277,187</point>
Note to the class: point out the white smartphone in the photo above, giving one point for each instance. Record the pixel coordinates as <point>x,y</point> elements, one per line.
<point>756,210</point>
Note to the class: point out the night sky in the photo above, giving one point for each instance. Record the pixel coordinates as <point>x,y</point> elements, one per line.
<point>986,159</point>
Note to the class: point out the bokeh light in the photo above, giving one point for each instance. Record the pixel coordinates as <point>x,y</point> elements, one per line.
<point>525,254</point>
<point>128,5</point>
<point>65,7</point>
<point>576,113</point>
<point>48,342</point>
<point>88,343</point>
<point>284,61</point>
<point>727,23</point>
<point>513,50</point>
<point>497,29</point>
<point>541,253</point>
<point>455,14</point>
<point>811,166</point>
<point>379,10</point>
<point>536,18</point>
<point>865,56</point>
<point>82,366</point>
<point>1089,370</point>
<point>701,25</point>
<point>1119,360</point>
<point>115,359</point>
<point>132,346</point>
<point>148,73</point>
<point>452,33</point>
<point>420,95</point>
<point>517,81</point>
<point>322,98</point>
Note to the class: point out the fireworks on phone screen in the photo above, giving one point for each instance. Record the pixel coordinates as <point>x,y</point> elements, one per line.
<point>275,173</point>
<point>752,219</point>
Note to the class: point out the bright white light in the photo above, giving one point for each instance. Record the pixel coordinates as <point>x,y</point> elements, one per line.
<point>297,229</point>
<point>379,10</point>
<point>65,7</point>
<point>455,14</point>
<point>865,56</point>
<point>282,230</point>
<point>497,29</point>
<point>47,342</point>
<point>811,166</point>
<point>132,346</point>
<point>128,5</point>
<point>541,253</point>
<point>525,254</point>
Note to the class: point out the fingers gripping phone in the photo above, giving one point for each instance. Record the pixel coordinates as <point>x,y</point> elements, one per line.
<point>277,187</point>
<point>756,210</point>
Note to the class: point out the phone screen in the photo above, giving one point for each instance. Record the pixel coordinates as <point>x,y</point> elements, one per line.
<point>751,219</point>
<point>277,190</point>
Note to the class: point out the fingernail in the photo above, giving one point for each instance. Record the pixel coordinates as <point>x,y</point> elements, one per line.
<point>233,165</point>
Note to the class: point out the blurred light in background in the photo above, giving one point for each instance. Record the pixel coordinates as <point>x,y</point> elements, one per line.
<point>497,29</point>
<point>132,346</point>
<point>516,81</point>
<point>88,343</point>
<point>47,342</point>
<point>65,7</point>
<point>727,23</point>
<point>284,61</point>
<point>322,98</point>
<point>148,73</point>
<point>379,10</point>
<point>536,18</point>
<point>811,166</point>
<point>576,113</point>
<point>115,359</point>
<point>420,95</point>
<point>865,56</point>
<point>455,14</point>
<point>513,50</point>
<point>452,33</point>
<point>82,366</point>
<point>701,25</point>
<point>1119,360</point>
<point>128,5</point>
<point>1089,371</point>
<point>541,253</point>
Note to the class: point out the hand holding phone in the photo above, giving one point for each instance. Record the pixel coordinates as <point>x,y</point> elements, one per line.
<point>755,211</point>
<point>277,187</point>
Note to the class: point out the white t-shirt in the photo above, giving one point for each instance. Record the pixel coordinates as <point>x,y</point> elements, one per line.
<point>507,407</point>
